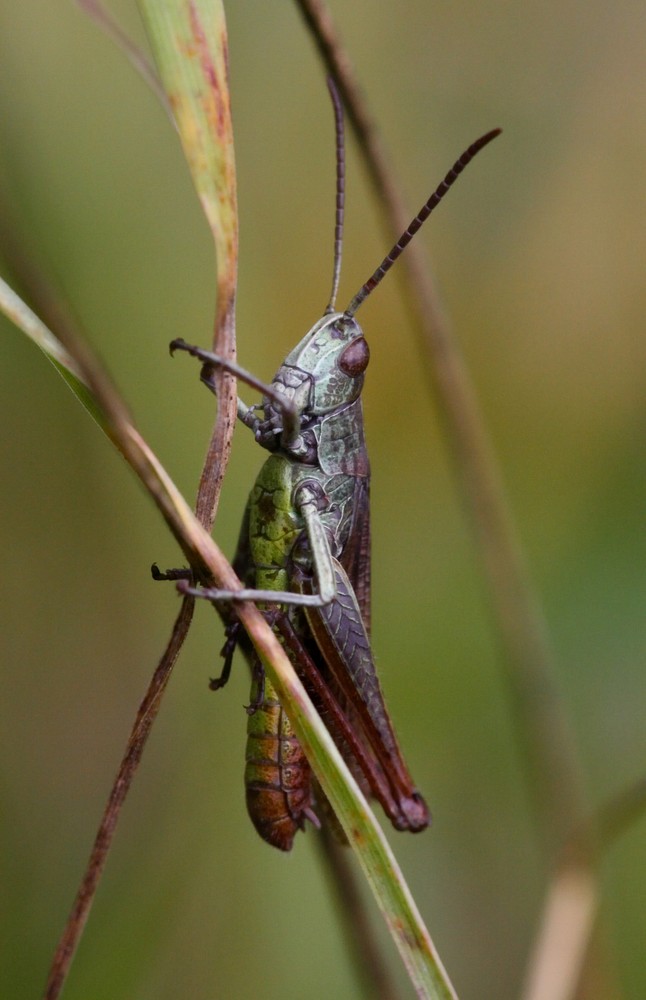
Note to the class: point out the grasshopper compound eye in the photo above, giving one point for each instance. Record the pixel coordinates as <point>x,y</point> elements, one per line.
<point>354,359</point>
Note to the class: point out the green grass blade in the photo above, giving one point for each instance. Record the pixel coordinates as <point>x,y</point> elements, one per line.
<point>190,46</point>
<point>26,320</point>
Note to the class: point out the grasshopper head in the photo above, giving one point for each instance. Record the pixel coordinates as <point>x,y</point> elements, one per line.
<point>332,358</point>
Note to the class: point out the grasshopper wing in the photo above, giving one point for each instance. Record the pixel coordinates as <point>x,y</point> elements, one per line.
<point>342,639</point>
<point>355,557</point>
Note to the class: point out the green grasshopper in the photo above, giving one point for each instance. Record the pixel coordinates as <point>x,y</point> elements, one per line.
<point>304,556</point>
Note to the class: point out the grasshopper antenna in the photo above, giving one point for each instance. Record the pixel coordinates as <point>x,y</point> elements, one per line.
<point>420,219</point>
<point>340,190</point>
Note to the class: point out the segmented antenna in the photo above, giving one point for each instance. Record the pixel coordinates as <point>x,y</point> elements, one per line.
<point>340,190</point>
<point>420,219</point>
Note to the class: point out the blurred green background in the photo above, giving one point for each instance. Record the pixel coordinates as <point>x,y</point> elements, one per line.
<point>540,254</point>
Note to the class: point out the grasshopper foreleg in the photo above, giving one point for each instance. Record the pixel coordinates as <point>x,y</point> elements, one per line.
<point>306,501</point>
<point>290,435</point>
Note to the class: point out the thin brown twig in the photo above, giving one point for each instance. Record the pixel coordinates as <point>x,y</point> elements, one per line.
<point>219,449</point>
<point>146,715</point>
<point>543,730</point>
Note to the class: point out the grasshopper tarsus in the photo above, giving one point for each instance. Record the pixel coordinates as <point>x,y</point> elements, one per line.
<point>169,574</point>
<point>179,344</point>
<point>216,683</point>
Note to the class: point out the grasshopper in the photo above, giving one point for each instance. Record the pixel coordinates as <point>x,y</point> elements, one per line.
<point>304,556</point>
